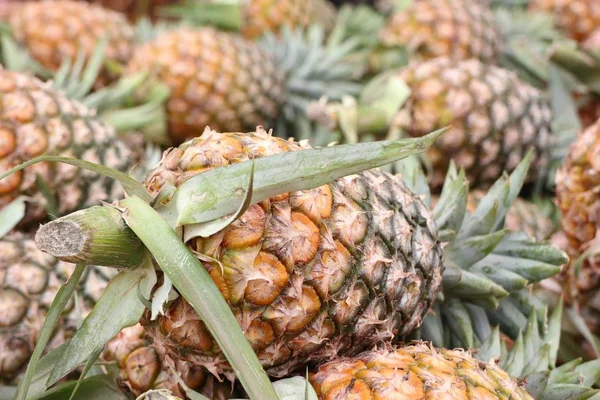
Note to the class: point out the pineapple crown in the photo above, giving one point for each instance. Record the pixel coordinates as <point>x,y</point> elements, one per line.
<point>488,270</point>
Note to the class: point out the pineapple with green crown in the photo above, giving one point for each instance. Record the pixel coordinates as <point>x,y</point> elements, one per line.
<point>323,272</point>
<point>224,81</point>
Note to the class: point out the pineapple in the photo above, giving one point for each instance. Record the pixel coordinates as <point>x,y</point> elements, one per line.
<point>494,117</point>
<point>55,31</point>
<point>30,280</point>
<point>135,9</point>
<point>460,29</point>
<point>578,18</point>
<point>35,121</point>
<point>416,372</point>
<point>254,18</point>
<point>221,80</point>
<point>578,199</point>
<point>308,274</point>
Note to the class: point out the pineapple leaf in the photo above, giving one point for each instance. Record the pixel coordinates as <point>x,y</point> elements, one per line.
<point>86,369</point>
<point>467,251</point>
<point>11,215</point>
<point>481,323</point>
<point>218,192</point>
<point>490,349</point>
<point>536,383</point>
<point>459,321</point>
<point>102,324</point>
<point>195,284</point>
<point>515,361</point>
<point>432,329</point>
<point>56,309</point>
<point>508,280</point>
<point>97,387</point>
<point>131,186</point>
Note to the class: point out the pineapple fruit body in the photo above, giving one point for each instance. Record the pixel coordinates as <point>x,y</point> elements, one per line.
<point>578,18</point>
<point>309,274</point>
<point>494,117</point>
<point>30,280</point>
<point>460,29</point>
<point>36,121</point>
<point>579,201</point>
<point>57,31</point>
<point>416,372</point>
<point>217,79</point>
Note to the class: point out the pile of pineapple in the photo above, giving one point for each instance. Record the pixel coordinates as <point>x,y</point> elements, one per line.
<point>393,199</point>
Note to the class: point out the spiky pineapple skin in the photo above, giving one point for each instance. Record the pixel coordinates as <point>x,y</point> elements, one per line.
<point>578,200</point>
<point>494,117</point>
<point>578,18</point>
<point>263,16</point>
<point>141,369</point>
<point>416,372</point>
<point>308,274</point>
<point>460,29</point>
<point>36,121</point>
<point>56,31</point>
<point>30,280</point>
<point>217,79</point>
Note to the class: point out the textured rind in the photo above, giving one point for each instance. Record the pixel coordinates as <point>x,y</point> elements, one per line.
<point>416,372</point>
<point>310,274</point>
<point>494,118</point>
<point>141,369</point>
<point>55,31</point>
<point>579,203</point>
<point>30,280</point>
<point>36,121</point>
<point>460,29</point>
<point>263,16</point>
<point>578,18</point>
<point>217,79</point>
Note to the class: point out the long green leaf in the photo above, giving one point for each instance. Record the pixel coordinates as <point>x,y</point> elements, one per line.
<point>56,309</point>
<point>97,387</point>
<point>118,308</point>
<point>11,215</point>
<point>131,186</point>
<point>194,283</point>
<point>219,192</point>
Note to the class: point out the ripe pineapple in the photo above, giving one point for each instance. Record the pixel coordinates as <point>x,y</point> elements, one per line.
<point>35,121</point>
<point>221,80</point>
<point>578,200</point>
<point>135,9</point>
<point>494,117</point>
<point>460,29</point>
<point>55,31</point>
<point>30,280</point>
<point>254,18</point>
<point>578,18</point>
<point>308,274</point>
<point>416,372</point>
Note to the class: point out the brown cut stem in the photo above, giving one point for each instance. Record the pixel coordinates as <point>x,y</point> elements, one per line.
<point>94,236</point>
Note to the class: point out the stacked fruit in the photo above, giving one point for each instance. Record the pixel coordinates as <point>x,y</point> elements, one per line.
<point>253,263</point>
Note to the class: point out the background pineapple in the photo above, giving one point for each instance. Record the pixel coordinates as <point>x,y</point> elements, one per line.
<point>55,31</point>
<point>578,18</point>
<point>30,280</point>
<point>460,29</point>
<point>36,120</point>
<point>221,80</point>
<point>494,117</point>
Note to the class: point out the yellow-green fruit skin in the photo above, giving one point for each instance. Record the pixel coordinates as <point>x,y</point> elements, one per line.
<point>494,118</point>
<point>308,274</point>
<point>37,121</point>
<point>263,16</point>
<point>578,18</point>
<point>30,280</point>
<point>415,372</point>
<point>216,79</point>
<point>56,31</point>
<point>460,29</point>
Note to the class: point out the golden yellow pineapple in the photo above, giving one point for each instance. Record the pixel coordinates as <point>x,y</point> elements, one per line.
<point>35,121</point>
<point>308,274</point>
<point>578,18</point>
<point>216,79</point>
<point>30,280</point>
<point>494,117</point>
<point>579,201</point>
<point>55,31</point>
<point>460,29</point>
<point>415,372</point>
